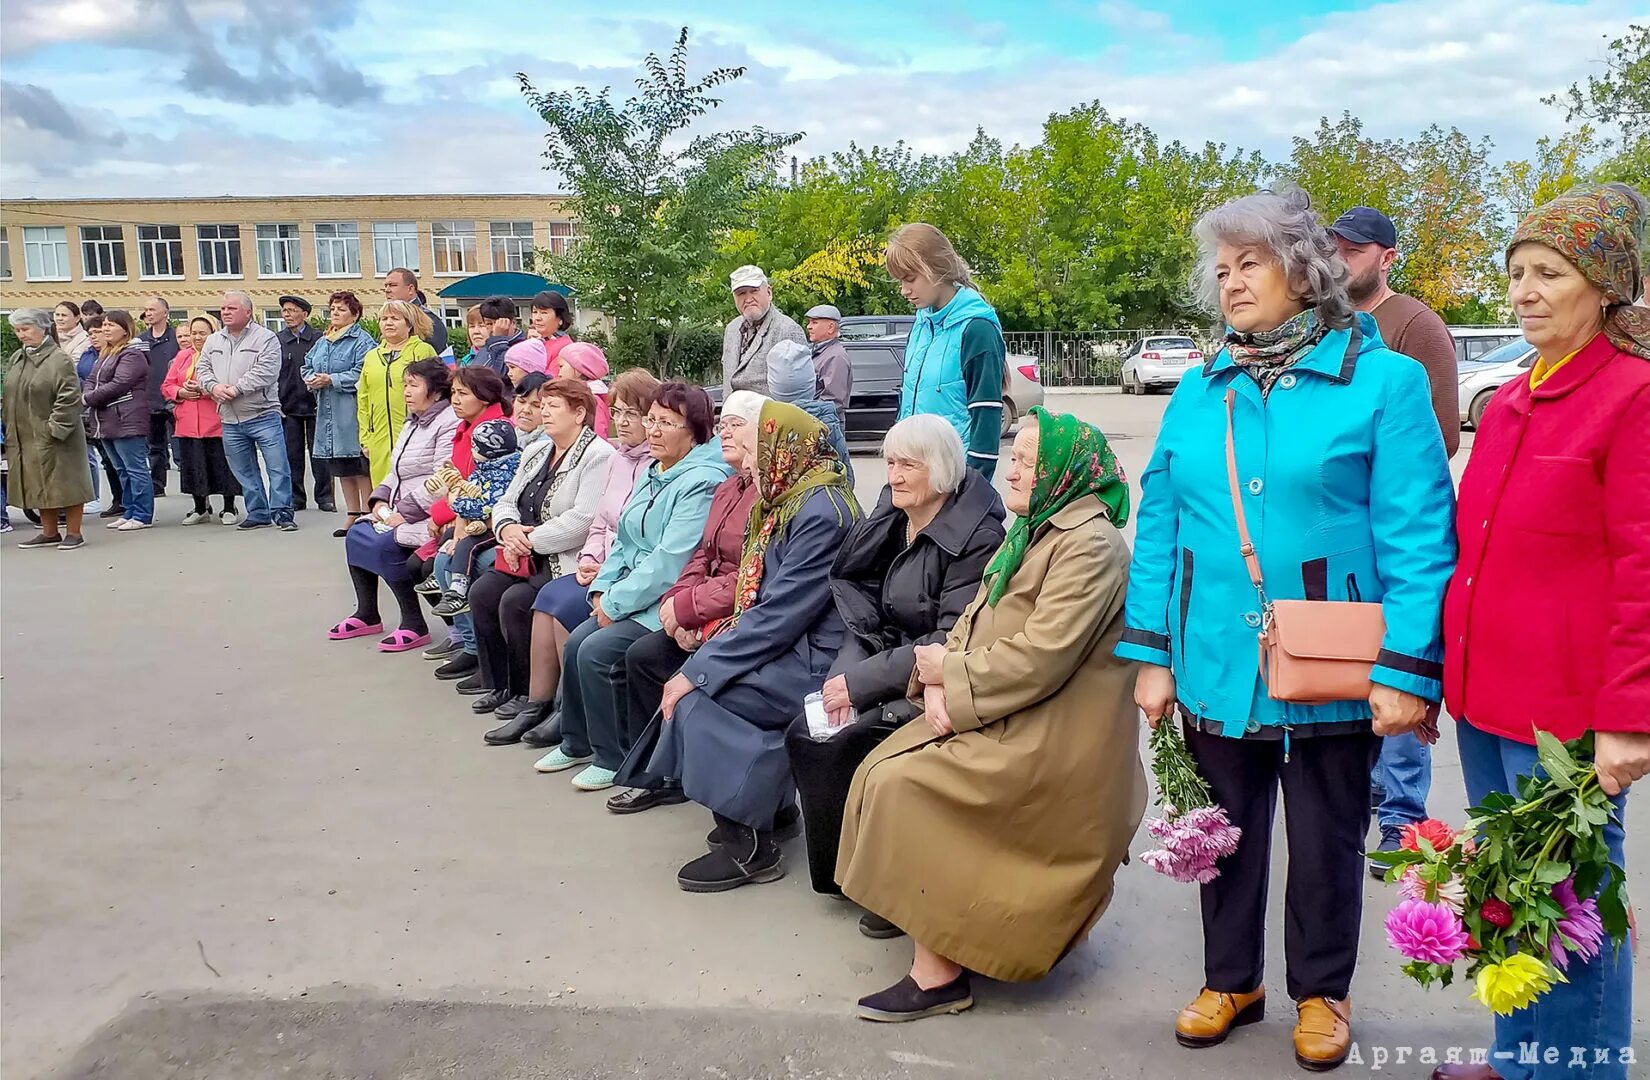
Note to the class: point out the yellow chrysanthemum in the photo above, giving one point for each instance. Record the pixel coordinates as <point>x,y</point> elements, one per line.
<point>1512,984</point>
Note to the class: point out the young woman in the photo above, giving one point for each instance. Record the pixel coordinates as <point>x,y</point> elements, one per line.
<point>379,408</point>
<point>201,462</point>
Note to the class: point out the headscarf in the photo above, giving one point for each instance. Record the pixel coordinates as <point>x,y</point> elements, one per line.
<point>529,356</point>
<point>746,405</point>
<point>1599,230</point>
<point>1074,461</point>
<point>1270,353</point>
<point>215,325</point>
<point>793,459</point>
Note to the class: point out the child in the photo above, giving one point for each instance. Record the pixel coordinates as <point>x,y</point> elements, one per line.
<point>497,457</point>
<point>584,361</point>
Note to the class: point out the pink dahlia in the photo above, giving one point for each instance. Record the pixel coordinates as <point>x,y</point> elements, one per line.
<point>1451,893</point>
<point>1428,932</point>
<point>1581,925</point>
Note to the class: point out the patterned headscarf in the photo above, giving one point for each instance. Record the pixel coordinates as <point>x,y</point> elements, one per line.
<point>793,458</point>
<point>1074,461</point>
<point>1599,229</point>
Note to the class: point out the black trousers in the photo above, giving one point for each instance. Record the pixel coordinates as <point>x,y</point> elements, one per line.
<point>648,665</point>
<point>501,608</point>
<point>824,771</point>
<point>1325,785</point>
<point>160,449</point>
<point>300,444</point>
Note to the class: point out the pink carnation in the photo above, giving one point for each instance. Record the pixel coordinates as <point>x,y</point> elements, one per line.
<point>1428,932</point>
<point>1191,843</point>
<point>1581,924</point>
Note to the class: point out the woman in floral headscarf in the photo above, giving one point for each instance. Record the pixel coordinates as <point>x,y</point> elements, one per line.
<point>990,827</point>
<point>1554,527</point>
<point>727,711</point>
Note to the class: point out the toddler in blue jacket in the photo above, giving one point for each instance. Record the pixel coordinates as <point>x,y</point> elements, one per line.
<point>472,499</point>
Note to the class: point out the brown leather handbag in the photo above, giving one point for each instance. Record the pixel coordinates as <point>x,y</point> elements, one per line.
<point>1311,651</point>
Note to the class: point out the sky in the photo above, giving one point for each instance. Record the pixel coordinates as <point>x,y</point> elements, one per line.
<point>134,98</point>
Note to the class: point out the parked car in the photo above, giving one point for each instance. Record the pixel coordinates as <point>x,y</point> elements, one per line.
<point>1481,378</point>
<point>1158,363</point>
<point>875,327</point>
<point>1474,342</point>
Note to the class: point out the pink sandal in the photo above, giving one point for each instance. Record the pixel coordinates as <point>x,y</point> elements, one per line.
<point>353,628</point>
<point>403,641</point>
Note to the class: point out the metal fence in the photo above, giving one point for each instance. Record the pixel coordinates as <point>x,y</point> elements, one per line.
<point>1089,357</point>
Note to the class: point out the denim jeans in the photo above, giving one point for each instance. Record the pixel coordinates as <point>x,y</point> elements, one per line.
<point>463,627</point>
<point>131,460</point>
<point>1404,773</point>
<point>1594,1010</point>
<point>242,443</point>
<point>593,689</point>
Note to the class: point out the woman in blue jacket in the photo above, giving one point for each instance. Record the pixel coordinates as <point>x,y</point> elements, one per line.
<point>955,362</point>
<point>1347,493</point>
<point>657,531</point>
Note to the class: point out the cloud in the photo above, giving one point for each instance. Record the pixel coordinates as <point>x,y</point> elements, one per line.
<point>37,109</point>
<point>1126,18</point>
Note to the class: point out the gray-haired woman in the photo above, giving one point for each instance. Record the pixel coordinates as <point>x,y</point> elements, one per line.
<point>1344,484</point>
<point>901,579</point>
<point>45,441</point>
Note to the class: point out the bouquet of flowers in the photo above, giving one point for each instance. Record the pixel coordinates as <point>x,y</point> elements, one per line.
<point>1519,892</point>
<point>1193,831</point>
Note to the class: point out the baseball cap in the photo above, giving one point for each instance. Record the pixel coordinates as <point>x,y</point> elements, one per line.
<point>747,277</point>
<point>1365,225</point>
<point>824,311</point>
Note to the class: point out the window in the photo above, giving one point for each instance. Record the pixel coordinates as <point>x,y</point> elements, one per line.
<point>160,251</point>
<point>5,255</point>
<point>272,319</point>
<point>394,243</point>
<point>278,251</point>
<point>455,248</point>
<point>512,245</point>
<point>102,252</point>
<point>562,237</point>
<point>46,253</point>
<point>453,314</point>
<point>337,249</point>
<point>219,249</point>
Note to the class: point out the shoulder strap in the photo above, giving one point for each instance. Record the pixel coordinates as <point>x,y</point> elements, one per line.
<point>1251,560</point>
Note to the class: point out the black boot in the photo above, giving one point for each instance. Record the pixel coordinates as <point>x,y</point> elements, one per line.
<point>744,857</point>
<point>513,728</point>
<point>490,700</point>
<point>548,731</point>
<point>787,826</point>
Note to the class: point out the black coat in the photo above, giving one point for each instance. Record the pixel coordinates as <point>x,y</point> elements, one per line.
<point>296,398</point>
<point>894,597</point>
<point>162,351</point>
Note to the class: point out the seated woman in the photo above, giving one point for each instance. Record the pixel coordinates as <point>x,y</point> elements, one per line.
<point>656,533</point>
<point>397,520</point>
<point>540,523</point>
<point>564,603</point>
<point>727,709</point>
<point>695,606</point>
<point>902,579</point>
<point>990,827</point>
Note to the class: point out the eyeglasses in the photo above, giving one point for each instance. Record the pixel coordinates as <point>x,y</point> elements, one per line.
<point>730,423</point>
<point>653,422</point>
<point>626,415</point>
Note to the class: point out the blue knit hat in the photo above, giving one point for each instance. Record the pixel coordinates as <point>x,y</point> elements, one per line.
<point>791,375</point>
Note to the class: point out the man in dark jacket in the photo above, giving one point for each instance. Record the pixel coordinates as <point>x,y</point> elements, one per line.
<point>161,343</point>
<point>402,284</point>
<point>298,404</point>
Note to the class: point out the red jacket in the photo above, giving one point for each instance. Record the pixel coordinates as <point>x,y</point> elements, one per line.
<point>1547,620</point>
<point>195,418</point>
<point>464,459</point>
<point>704,592</point>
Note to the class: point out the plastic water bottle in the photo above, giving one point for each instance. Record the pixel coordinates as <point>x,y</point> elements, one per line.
<point>819,723</point>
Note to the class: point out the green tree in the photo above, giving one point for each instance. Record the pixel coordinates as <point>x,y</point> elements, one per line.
<point>1559,164</point>
<point>652,212</point>
<point>1619,98</point>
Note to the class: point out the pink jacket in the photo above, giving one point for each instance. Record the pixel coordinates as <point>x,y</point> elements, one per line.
<point>197,419</point>
<point>622,472</point>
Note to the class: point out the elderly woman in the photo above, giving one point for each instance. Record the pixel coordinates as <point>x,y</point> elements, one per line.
<point>990,827</point>
<point>332,370</point>
<point>116,391</point>
<point>1554,527</point>
<point>726,711</point>
<point>540,523</point>
<point>75,340</point>
<point>563,604</point>
<point>1339,469</point>
<point>202,466</point>
<point>902,579</point>
<point>45,440</point>
<point>656,533</point>
<point>383,545</point>
<point>378,403</point>
<point>695,606</point>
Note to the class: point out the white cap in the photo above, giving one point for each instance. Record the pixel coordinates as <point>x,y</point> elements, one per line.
<point>747,277</point>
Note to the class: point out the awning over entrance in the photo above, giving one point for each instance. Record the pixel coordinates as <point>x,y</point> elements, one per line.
<point>517,286</point>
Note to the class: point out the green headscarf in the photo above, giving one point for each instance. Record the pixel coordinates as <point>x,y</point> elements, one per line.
<point>1074,461</point>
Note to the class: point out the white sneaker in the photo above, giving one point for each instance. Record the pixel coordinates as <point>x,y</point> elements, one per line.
<point>197,517</point>
<point>129,525</point>
<point>229,517</point>
<point>94,507</point>
<point>117,523</point>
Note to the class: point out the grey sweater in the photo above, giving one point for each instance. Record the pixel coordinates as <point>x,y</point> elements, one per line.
<point>250,362</point>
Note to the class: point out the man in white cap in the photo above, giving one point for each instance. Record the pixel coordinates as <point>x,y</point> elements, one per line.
<point>836,377</point>
<point>759,327</point>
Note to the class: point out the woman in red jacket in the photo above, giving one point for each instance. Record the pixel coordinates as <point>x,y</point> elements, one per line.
<point>1547,620</point>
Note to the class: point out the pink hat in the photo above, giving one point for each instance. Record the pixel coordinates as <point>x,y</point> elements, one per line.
<point>528,356</point>
<point>585,358</point>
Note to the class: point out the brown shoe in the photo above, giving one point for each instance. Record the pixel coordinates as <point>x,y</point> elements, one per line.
<point>1208,1020</point>
<point>1323,1033</point>
<point>1465,1072</point>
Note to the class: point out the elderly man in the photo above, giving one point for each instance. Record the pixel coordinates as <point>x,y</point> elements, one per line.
<point>297,337</point>
<point>161,342</point>
<point>759,327</point>
<point>834,375</point>
<point>240,369</point>
<point>402,284</point>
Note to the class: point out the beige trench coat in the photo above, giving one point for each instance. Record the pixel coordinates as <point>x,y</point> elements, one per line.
<point>996,846</point>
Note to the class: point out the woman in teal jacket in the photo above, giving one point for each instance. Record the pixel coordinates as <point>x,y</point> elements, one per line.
<point>657,531</point>
<point>1347,494</point>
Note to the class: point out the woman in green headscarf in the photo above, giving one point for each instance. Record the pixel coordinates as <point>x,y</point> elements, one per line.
<point>990,827</point>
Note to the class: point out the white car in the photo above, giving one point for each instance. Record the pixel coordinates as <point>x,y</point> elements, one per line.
<point>1158,363</point>
<point>1481,378</point>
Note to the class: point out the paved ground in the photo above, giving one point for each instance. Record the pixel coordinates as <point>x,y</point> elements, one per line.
<point>235,850</point>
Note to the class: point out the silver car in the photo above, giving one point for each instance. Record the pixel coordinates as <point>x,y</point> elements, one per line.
<point>1158,363</point>
<point>1481,378</point>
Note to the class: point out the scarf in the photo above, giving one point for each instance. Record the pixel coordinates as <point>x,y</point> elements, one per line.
<point>793,459</point>
<point>749,328</point>
<point>335,335</point>
<point>1599,229</point>
<point>1074,461</point>
<point>189,373</point>
<point>1267,355</point>
<point>75,345</point>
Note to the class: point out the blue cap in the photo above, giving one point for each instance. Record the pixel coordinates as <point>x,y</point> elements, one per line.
<point>1365,225</point>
